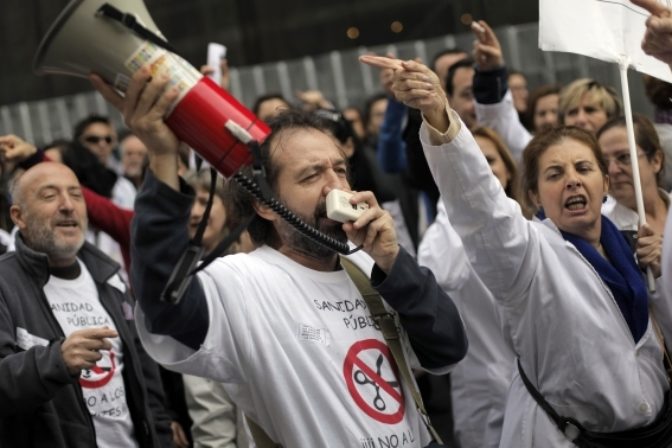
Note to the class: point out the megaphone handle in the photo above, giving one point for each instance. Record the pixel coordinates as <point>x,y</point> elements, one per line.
<point>129,21</point>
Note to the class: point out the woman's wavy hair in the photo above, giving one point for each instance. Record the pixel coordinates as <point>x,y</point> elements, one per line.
<point>511,189</point>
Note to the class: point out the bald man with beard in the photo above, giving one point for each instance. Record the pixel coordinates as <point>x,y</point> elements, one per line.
<point>73,371</point>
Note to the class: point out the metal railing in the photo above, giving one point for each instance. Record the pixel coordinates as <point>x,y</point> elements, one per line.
<point>338,74</point>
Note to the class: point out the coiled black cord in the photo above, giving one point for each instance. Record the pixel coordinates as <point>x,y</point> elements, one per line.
<point>306,229</point>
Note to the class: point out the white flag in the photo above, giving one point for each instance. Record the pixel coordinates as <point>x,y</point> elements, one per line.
<point>610,30</point>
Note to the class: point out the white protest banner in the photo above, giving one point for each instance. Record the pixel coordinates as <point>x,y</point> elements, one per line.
<point>610,30</point>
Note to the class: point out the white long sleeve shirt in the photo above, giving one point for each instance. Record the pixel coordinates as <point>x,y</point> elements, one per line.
<point>480,382</point>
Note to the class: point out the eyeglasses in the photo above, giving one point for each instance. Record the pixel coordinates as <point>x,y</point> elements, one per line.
<point>623,159</point>
<point>95,139</point>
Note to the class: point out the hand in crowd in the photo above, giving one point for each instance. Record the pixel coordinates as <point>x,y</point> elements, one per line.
<point>81,350</point>
<point>387,76</point>
<point>374,231</point>
<point>14,150</point>
<point>487,49</point>
<point>224,80</point>
<point>657,40</point>
<point>417,86</point>
<point>313,100</point>
<point>179,437</point>
<point>649,249</point>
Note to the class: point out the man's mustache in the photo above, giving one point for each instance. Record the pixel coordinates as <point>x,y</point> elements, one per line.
<point>320,211</point>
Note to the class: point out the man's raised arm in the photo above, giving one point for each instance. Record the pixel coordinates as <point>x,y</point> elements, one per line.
<point>159,231</point>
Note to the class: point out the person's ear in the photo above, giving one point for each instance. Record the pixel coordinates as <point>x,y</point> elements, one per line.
<point>17,216</point>
<point>265,211</point>
<point>534,199</point>
<point>657,162</point>
<point>349,147</point>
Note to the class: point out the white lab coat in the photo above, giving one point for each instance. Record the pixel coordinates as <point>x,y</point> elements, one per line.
<point>666,277</point>
<point>623,217</point>
<point>480,382</point>
<point>626,218</point>
<point>566,327</point>
<point>503,118</point>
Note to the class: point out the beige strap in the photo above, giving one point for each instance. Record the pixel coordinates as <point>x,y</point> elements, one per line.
<point>663,346</point>
<point>388,326</point>
<point>261,439</point>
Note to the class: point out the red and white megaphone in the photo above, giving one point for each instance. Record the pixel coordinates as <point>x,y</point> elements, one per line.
<point>106,37</point>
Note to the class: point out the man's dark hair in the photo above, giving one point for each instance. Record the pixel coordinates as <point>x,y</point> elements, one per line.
<point>60,143</point>
<point>263,98</point>
<point>262,231</point>
<point>446,52</point>
<point>464,63</point>
<point>340,127</point>
<point>81,126</point>
<point>88,169</point>
<point>658,92</point>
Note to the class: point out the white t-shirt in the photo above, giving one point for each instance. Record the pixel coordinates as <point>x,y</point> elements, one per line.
<point>76,305</point>
<point>6,239</point>
<point>299,353</point>
<point>480,382</point>
<point>123,193</point>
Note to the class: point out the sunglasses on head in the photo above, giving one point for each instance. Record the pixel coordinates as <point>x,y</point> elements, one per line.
<point>95,139</point>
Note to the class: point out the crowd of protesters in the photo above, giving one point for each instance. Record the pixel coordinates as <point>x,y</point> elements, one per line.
<point>531,302</point>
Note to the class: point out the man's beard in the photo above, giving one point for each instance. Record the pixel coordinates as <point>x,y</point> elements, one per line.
<point>303,243</point>
<point>41,238</point>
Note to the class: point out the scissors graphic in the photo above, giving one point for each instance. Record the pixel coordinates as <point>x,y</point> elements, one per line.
<point>361,378</point>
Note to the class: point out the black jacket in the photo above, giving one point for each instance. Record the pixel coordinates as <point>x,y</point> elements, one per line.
<point>41,404</point>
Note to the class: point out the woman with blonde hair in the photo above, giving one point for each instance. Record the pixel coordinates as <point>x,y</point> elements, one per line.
<point>587,104</point>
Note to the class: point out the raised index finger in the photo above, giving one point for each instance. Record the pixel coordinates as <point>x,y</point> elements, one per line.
<point>652,6</point>
<point>380,61</point>
<point>99,333</point>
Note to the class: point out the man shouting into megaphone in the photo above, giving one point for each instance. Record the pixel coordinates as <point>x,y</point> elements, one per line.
<point>284,327</point>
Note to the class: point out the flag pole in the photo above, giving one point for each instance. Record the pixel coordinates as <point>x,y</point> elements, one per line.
<point>634,156</point>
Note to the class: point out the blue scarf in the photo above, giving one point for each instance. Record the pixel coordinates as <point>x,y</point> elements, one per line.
<point>622,275</point>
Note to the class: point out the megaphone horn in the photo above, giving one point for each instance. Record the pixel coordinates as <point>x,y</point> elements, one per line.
<point>114,39</point>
